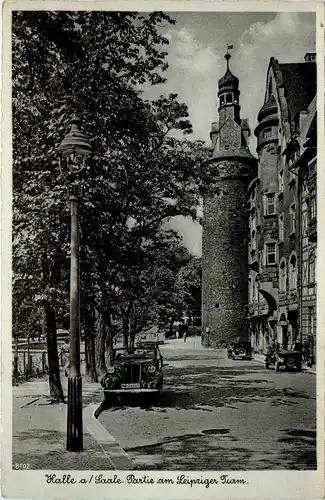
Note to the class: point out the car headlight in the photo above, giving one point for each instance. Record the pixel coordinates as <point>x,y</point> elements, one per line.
<point>151,369</point>
<point>110,369</point>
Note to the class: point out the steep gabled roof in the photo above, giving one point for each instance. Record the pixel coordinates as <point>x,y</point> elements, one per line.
<point>300,84</point>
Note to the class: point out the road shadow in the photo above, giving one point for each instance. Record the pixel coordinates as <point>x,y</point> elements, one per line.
<point>301,448</point>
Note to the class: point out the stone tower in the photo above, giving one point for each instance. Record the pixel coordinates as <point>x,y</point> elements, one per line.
<point>225,222</point>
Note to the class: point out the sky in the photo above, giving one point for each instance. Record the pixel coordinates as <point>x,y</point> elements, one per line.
<point>196,62</point>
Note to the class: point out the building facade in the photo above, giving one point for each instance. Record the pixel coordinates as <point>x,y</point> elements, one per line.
<point>282,208</point>
<point>225,223</point>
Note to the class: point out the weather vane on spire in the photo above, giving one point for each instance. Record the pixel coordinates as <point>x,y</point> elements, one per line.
<point>228,56</point>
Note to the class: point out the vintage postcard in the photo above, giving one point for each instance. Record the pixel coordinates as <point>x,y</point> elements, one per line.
<point>163,250</point>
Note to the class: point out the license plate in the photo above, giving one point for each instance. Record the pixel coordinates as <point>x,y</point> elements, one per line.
<point>130,386</point>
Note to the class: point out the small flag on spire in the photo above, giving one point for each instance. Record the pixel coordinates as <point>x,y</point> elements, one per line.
<point>230,47</point>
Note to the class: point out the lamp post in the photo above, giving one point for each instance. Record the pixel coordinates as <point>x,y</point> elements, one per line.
<point>74,150</point>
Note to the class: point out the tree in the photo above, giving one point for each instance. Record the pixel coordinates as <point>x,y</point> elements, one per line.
<point>140,175</point>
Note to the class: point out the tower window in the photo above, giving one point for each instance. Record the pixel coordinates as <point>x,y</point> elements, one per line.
<point>267,133</point>
<point>222,99</point>
<point>270,254</point>
<point>229,98</point>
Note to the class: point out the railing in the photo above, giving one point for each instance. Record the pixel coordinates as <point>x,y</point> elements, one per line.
<point>29,361</point>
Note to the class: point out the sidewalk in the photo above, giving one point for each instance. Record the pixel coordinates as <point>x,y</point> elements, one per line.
<point>39,430</point>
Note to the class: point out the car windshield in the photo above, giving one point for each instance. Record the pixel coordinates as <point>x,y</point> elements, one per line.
<point>143,352</point>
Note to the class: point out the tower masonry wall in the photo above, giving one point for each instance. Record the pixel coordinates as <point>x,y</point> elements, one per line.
<point>225,259</point>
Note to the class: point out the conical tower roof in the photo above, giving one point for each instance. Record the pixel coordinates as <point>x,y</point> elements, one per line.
<point>268,108</point>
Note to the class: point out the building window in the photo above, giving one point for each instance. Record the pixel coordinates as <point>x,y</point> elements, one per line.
<point>281,184</point>
<point>267,133</point>
<point>222,99</point>
<point>283,277</point>
<point>312,205</point>
<point>281,228</point>
<point>270,204</point>
<point>311,268</point>
<point>270,254</point>
<point>293,218</point>
<point>293,273</point>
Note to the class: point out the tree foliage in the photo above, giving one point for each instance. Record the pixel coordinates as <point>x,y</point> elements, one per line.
<point>92,64</point>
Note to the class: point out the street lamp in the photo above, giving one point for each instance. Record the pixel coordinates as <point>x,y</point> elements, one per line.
<point>74,149</point>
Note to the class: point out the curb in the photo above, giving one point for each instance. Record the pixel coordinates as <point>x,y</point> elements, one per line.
<point>305,370</point>
<point>115,454</point>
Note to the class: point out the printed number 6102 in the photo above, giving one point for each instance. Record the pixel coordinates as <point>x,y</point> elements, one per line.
<point>22,466</point>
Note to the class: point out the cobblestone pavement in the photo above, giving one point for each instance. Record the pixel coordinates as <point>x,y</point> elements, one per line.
<point>219,414</point>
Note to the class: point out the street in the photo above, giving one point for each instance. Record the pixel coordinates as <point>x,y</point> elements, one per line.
<point>219,414</point>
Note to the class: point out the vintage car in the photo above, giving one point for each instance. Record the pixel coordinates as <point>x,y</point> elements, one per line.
<point>290,360</point>
<point>240,349</point>
<point>137,370</point>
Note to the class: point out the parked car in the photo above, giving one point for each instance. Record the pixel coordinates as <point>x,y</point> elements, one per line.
<point>240,349</point>
<point>283,359</point>
<point>133,371</point>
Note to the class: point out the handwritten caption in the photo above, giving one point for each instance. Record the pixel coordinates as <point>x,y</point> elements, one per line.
<point>182,479</point>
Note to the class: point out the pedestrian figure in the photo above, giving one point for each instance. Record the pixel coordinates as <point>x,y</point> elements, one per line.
<point>65,355</point>
<point>177,326</point>
<point>185,335</point>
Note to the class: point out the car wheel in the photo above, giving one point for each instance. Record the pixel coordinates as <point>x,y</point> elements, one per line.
<point>277,366</point>
<point>290,363</point>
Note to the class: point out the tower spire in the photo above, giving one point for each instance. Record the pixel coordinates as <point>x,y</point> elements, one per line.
<point>227,55</point>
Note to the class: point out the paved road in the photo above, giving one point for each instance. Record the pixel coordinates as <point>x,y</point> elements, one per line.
<point>220,414</point>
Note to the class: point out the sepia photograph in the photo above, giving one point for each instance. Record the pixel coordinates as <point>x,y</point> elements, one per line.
<point>164,243</point>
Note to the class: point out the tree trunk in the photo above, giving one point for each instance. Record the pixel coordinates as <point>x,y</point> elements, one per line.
<point>90,353</point>
<point>101,333</point>
<point>56,392</point>
<point>109,338</point>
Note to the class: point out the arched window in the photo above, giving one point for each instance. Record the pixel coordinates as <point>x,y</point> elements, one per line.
<point>293,273</point>
<point>270,88</point>
<point>283,276</point>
